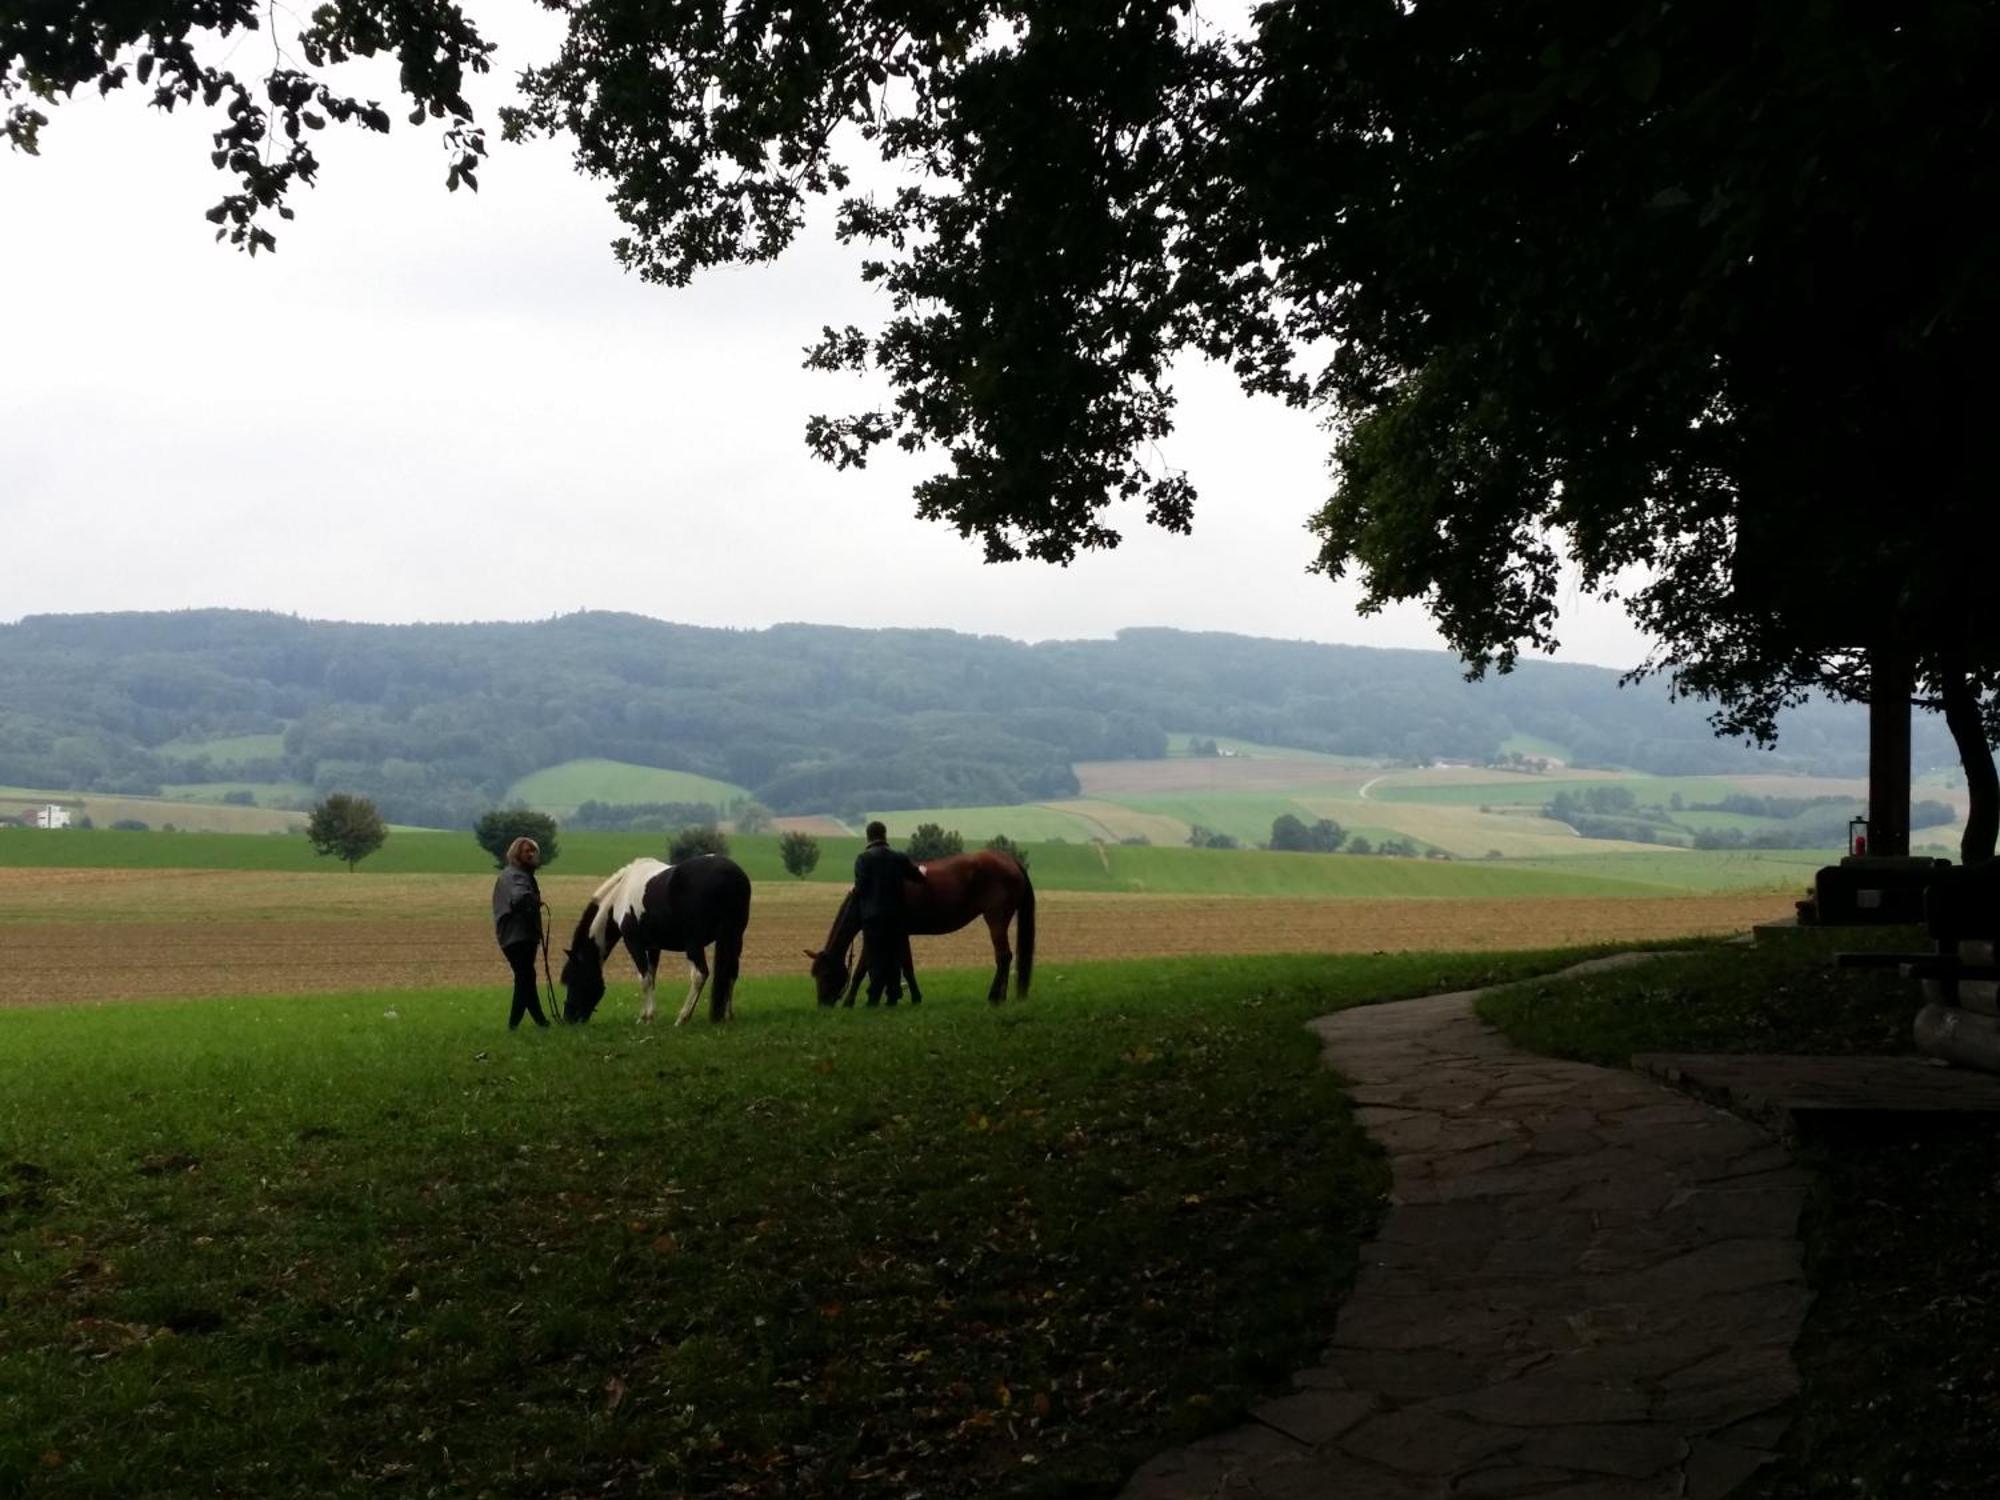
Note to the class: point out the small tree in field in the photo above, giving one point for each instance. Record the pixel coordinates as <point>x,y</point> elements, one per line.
<point>347,827</point>
<point>933,841</point>
<point>1005,845</point>
<point>800,852</point>
<point>696,839</point>
<point>503,825</point>
<point>751,817</point>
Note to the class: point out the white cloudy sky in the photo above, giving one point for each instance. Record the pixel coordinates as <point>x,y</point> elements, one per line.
<point>433,406</point>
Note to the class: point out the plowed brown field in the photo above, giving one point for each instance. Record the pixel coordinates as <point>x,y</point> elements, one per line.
<point>91,935</point>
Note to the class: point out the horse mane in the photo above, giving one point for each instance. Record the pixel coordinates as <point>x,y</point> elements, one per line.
<point>620,893</point>
<point>843,923</point>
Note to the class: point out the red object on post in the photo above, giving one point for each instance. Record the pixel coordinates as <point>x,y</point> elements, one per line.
<point>1860,843</point>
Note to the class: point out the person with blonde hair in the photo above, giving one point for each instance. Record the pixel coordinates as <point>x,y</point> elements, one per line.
<point>517,922</point>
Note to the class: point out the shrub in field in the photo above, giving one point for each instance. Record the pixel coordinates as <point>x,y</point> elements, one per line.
<point>347,827</point>
<point>751,817</point>
<point>1005,845</point>
<point>933,841</point>
<point>130,825</point>
<point>499,828</point>
<point>1200,837</point>
<point>800,852</point>
<point>696,839</point>
<point>1295,835</point>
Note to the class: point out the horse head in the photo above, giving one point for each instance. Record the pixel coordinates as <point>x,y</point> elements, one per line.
<point>829,972</point>
<point>582,981</point>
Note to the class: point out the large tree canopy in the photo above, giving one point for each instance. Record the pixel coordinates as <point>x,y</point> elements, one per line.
<point>51,48</point>
<point>1676,285</point>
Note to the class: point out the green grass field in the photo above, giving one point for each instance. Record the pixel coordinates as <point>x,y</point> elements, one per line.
<point>365,1245</point>
<point>1071,867</point>
<point>562,789</point>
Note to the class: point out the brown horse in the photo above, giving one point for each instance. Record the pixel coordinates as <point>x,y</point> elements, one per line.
<point>986,883</point>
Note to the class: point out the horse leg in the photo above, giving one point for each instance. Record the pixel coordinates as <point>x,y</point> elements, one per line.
<point>697,978</point>
<point>860,974</point>
<point>1003,956</point>
<point>652,974</point>
<point>910,973</point>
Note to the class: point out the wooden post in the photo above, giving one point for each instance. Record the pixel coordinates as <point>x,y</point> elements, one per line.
<point>1892,677</point>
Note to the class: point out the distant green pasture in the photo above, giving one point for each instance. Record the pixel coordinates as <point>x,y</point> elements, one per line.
<point>562,789</point>
<point>1533,791</point>
<point>267,793</point>
<point>1077,867</point>
<point>1692,870</point>
<point>1177,744</point>
<point>1036,821</point>
<point>230,749</point>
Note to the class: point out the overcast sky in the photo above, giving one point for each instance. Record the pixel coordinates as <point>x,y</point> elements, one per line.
<point>433,406</point>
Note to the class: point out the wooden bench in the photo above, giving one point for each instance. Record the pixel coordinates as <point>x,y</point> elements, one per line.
<point>1960,1021</point>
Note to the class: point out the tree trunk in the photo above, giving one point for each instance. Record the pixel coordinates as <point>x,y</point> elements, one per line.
<point>1982,783</point>
<point>1891,679</point>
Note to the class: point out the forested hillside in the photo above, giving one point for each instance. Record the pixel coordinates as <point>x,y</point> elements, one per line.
<point>436,721</point>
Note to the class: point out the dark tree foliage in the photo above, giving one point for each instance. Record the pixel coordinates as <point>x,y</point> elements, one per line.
<point>1691,287</point>
<point>696,839</point>
<point>1292,833</point>
<point>1202,837</point>
<point>800,853</point>
<point>1004,845</point>
<point>349,828</point>
<point>934,841</point>
<point>496,830</point>
<point>1686,287</point>
<point>51,48</point>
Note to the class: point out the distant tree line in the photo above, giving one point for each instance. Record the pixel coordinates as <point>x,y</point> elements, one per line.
<point>1615,812</point>
<point>424,720</point>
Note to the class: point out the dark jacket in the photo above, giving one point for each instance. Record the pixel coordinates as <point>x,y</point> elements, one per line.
<point>517,907</point>
<point>879,875</point>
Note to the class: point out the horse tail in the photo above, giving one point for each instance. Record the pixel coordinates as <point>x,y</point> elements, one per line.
<point>1024,933</point>
<point>729,952</point>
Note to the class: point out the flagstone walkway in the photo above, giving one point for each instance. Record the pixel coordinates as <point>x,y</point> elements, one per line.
<point>1586,1287</point>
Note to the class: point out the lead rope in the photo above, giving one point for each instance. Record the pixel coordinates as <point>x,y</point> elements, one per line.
<point>555,1012</point>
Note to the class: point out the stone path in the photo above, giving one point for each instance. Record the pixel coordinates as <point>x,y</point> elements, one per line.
<point>1586,1288</point>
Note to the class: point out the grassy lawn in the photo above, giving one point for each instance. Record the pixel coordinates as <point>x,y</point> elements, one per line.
<point>1901,1354</point>
<point>376,1244</point>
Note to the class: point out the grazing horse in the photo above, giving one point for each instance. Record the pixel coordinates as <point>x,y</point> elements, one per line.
<point>653,909</point>
<point>986,883</point>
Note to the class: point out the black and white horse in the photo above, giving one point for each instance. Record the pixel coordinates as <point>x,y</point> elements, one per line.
<point>652,909</point>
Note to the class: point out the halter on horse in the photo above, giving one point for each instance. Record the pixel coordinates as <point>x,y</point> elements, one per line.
<point>986,883</point>
<point>652,909</point>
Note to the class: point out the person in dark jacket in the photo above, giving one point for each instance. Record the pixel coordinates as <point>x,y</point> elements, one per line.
<point>880,875</point>
<point>517,922</point>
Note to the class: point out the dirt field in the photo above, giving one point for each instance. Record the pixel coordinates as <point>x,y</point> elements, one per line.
<point>88,935</point>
